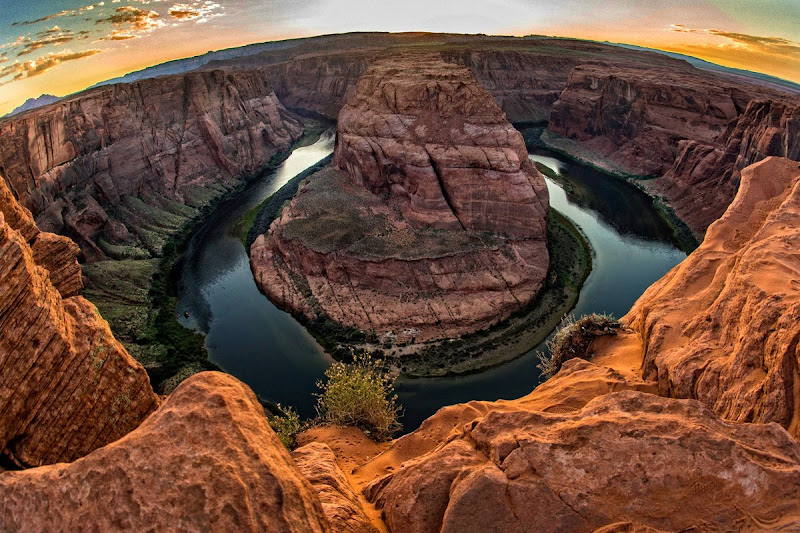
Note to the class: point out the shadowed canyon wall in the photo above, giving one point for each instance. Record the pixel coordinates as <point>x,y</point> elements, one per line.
<point>125,165</point>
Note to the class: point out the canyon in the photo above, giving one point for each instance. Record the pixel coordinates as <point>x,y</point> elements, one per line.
<point>434,223</point>
<point>687,419</point>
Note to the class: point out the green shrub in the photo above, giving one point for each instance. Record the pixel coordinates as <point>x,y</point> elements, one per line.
<point>359,394</point>
<point>286,424</point>
<point>573,339</point>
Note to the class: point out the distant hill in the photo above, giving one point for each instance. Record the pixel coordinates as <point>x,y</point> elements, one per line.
<point>179,66</point>
<point>757,77</point>
<point>33,103</point>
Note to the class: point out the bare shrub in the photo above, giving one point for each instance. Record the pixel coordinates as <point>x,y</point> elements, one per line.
<point>573,339</point>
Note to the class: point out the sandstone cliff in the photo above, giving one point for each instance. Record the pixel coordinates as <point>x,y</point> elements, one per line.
<point>695,129</point>
<point>705,177</point>
<point>68,387</point>
<point>206,460</point>
<point>438,227</point>
<point>722,327</point>
<point>120,163</point>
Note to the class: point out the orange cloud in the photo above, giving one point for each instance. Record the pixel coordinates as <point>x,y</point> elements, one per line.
<point>137,19</point>
<point>770,45</point>
<point>28,69</point>
<point>198,11</point>
<point>47,39</point>
<point>64,13</point>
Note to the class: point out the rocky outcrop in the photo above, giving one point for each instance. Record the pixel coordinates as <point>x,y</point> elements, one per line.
<point>206,460</point>
<point>705,177</point>
<point>636,116</point>
<point>436,229</point>
<point>626,461</point>
<point>696,130</point>
<point>317,463</point>
<point>722,327</point>
<point>120,163</point>
<point>67,387</point>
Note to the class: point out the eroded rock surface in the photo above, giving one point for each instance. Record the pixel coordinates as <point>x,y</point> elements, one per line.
<point>120,164</point>
<point>705,177</point>
<point>627,459</point>
<point>695,129</point>
<point>722,326</point>
<point>206,460</point>
<point>434,228</point>
<point>317,463</point>
<point>67,386</point>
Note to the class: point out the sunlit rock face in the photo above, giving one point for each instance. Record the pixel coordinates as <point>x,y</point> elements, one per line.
<point>126,163</point>
<point>432,226</point>
<point>68,387</point>
<point>722,326</point>
<point>206,460</point>
<point>626,461</point>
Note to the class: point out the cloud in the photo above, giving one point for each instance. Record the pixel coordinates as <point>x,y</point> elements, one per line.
<point>197,11</point>
<point>28,69</point>
<point>769,45</point>
<point>134,18</point>
<point>64,13</point>
<point>46,39</point>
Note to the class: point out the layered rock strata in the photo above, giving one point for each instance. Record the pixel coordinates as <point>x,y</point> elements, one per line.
<point>705,177</point>
<point>67,386</point>
<point>434,227</point>
<point>121,163</point>
<point>695,130</point>
<point>206,460</point>
<point>722,327</point>
<point>341,505</point>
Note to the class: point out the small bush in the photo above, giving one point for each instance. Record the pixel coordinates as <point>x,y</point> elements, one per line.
<point>573,339</point>
<point>359,394</point>
<point>286,424</point>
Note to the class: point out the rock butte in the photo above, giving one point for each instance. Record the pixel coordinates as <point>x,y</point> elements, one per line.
<point>67,386</point>
<point>438,227</point>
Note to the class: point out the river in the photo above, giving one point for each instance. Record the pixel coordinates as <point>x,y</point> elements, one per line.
<point>269,350</point>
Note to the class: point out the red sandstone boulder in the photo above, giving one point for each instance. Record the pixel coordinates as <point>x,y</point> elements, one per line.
<point>627,461</point>
<point>206,460</point>
<point>317,463</point>
<point>722,327</point>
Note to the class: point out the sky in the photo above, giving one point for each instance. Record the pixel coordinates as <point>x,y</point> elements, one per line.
<point>62,46</point>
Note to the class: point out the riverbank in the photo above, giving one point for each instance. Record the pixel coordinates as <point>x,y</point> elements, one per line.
<point>138,296</point>
<point>539,137</point>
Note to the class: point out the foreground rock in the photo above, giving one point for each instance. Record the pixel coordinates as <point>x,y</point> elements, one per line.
<point>207,460</point>
<point>436,229</point>
<point>68,387</point>
<point>123,165</point>
<point>722,327</point>
<point>628,459</point>
<point>317,463</point>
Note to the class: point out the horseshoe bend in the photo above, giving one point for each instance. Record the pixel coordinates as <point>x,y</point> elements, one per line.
<point>229,280</point>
